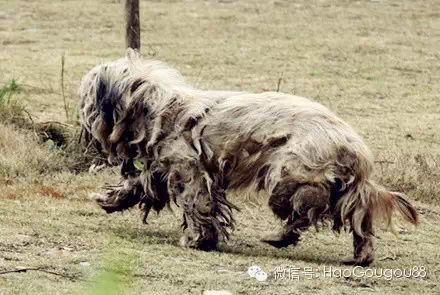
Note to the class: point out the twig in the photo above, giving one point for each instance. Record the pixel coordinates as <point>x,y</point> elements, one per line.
<point>30,116</point>
<point>392,256</point>
<point>384,162</point>
<point>280,79</point>
<point>26,269</point>
<point>55,122</point>
<point>66,110</point>
<point>81,134</point>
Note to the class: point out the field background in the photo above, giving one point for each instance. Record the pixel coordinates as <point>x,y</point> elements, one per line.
<point>375,63</point>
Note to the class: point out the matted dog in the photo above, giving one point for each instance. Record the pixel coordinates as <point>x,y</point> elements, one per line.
<point>195,146</point>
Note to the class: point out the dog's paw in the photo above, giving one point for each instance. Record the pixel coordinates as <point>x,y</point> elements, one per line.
<point>281,243</point>
<point>277,243</point>
<point>187,241</point>
<point>105,202</point>
<point>97,197</point>
<point>207,245</point>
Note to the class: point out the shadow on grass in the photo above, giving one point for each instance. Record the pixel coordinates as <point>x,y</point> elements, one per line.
<point>151,235</point>
<point>148,234</point>
<point>318,256</point>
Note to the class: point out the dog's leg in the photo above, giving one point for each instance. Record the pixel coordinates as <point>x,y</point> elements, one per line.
<point>292,231</point>
<point>363,245</point>
<point>207,216</point>
<point>202,235</point>
<point>280,200</point>
<point>125,195</point>
<point>121,197</point>
<point>305,204</point>
<point>157,196</point>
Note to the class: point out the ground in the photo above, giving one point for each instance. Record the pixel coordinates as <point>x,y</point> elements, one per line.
<point>375,63</point>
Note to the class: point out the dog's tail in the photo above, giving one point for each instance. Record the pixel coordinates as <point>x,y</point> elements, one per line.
<point>370,202</point>
<point>383,203</point>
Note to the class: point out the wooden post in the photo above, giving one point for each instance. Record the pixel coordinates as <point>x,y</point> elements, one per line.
<point>132,25</point>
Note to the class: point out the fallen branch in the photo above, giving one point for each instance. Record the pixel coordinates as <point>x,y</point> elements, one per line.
<point>41,269</point>
<point>55,122</point>
<point>384,162</point>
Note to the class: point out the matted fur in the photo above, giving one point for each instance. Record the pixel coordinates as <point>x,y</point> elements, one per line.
<point>195,145</point>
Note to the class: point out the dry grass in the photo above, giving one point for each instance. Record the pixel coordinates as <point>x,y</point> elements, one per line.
<point>375,63</point>
<point>415,174</point>
<point>22,156</point>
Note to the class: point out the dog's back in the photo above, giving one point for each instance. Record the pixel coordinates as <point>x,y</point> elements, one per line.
<point>270,136</point>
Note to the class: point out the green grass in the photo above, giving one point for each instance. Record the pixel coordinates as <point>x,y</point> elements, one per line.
<point>12,110</point>
<point>7,91</point>
<point>115,275</point>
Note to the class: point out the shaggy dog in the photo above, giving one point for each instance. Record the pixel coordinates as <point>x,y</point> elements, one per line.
<point>197,145</point>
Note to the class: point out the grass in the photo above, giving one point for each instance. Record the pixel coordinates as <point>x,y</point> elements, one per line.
<point>11,110</point>
<point>375,63</point>
<point>7,91</point>
<point>30,147</point>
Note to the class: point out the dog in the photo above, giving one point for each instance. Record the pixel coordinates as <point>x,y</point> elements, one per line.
<point>194,146</point>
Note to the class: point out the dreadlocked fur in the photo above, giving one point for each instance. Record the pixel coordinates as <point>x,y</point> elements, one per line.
<point>195,145</point>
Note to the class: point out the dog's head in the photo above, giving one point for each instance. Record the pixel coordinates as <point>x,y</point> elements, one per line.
<point>113,120</point>
<point>122,101</point>
<point>122,122</point>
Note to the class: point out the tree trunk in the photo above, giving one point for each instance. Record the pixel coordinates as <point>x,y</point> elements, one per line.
<point>132,26</point>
